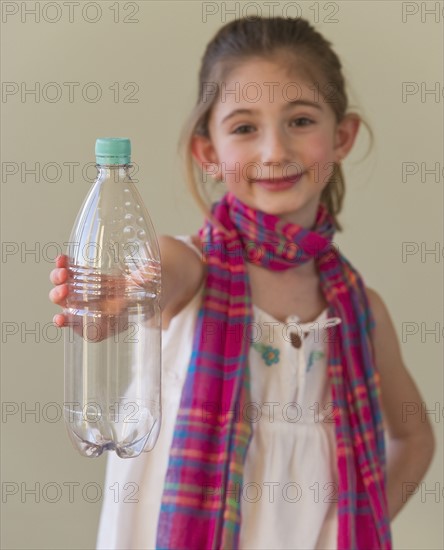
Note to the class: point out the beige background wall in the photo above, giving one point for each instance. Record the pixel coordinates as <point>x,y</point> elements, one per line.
<point>382,44</point>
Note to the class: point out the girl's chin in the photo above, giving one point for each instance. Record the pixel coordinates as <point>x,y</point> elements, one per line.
<point>294,212</point>
<point>283,210</point>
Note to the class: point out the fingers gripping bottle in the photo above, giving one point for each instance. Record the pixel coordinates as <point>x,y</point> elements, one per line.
<point>113,334</point>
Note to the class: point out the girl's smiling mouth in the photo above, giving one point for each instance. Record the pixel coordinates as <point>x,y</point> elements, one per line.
<point>278,184</point>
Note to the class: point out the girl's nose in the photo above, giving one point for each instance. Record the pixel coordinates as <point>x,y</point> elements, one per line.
<point>275,148</point>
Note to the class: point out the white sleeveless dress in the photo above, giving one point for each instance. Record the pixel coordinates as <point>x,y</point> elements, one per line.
<point>289,494</point>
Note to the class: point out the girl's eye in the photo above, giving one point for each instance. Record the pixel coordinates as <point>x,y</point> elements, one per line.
<point>302,121</point>
<point>237,130</point>
<point>299,122</point>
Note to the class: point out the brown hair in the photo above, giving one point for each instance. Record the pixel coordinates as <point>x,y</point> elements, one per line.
<point>264,37</point>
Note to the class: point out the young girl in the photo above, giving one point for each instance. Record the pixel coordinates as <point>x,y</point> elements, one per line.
<point>281,371</point>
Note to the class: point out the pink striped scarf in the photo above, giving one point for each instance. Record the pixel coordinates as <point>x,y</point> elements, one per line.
<point>201,501</point>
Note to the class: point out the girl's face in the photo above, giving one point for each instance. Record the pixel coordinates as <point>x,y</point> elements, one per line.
<point>266,126</point>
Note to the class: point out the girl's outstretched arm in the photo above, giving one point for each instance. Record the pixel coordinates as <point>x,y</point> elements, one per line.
<point>182,274</point>
<point>410,443</point>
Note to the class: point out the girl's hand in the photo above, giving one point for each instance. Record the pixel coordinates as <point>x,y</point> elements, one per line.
<point>113,302</point>
<point>112,308</point>
<point>59,293</point>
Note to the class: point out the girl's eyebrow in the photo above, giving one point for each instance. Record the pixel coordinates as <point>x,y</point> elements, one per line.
<point>290,104</point>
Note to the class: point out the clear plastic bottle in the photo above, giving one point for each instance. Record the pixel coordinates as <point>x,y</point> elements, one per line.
<point>113,334</point>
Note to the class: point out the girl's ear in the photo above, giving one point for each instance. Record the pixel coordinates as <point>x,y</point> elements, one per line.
<point>346,133</point>
<point>205,155</point>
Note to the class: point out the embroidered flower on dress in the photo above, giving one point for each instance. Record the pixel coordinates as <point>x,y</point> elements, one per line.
<point>269,354</point>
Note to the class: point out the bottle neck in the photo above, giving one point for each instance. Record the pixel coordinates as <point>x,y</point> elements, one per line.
<point>114,172</point>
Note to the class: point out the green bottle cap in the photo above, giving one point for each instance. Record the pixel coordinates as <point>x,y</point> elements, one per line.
<point>113,151</point>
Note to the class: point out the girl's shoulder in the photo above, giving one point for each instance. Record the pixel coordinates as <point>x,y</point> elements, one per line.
<point>386,346</point>
<point>377,306</point>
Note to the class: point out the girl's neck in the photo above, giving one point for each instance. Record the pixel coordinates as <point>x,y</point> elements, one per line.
<point>305,218</point>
